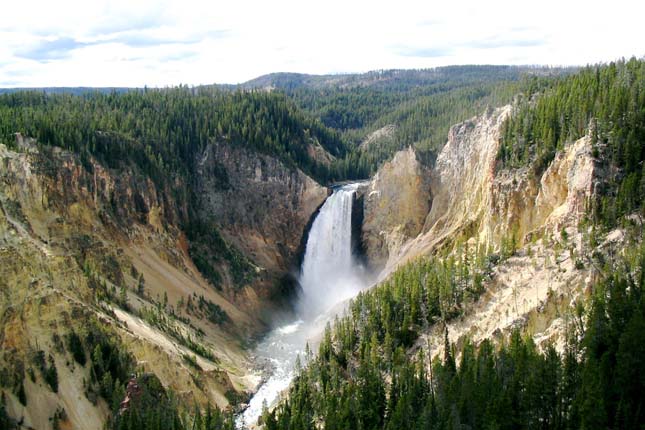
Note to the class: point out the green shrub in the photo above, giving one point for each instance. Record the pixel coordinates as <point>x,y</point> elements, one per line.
<point>75,346</point>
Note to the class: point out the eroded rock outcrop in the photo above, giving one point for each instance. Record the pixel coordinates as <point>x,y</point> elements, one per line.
<point>475,202</point>
<point>261,205</point>
<point>462,175</point>
<point>395,206</point>
<point>383,134</point>
<point>472,199</point>
<point>568,184</point>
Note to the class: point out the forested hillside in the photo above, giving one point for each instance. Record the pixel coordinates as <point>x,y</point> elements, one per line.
<point>163,131</point>
<point>364,375</point>
<point>420,105</point>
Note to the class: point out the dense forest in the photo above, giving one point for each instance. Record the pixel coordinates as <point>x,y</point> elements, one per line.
<point>163,131</point>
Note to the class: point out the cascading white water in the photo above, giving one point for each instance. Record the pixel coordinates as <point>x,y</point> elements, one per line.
<point>329,275</point>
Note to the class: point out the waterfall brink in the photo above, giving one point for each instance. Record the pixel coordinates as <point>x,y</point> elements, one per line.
<point>329,271</point>
<point>329,275</point>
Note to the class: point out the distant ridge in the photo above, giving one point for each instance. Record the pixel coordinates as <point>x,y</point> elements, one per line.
<point>398,77</point>
<point>387,78</point>
<point>70,90</point>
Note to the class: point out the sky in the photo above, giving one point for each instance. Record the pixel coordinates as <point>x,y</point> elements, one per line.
<point>132,43</point>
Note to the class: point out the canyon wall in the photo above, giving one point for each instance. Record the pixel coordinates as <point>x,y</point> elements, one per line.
<point>83,246</point>
<point>466,201</point>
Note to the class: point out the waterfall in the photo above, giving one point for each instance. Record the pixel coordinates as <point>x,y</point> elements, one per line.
<point>329,275</point>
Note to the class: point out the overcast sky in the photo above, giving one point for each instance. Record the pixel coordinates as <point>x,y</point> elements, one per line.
<point>161,43</point>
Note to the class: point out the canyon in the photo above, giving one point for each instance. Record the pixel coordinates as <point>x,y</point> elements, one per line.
<point>69,231</point>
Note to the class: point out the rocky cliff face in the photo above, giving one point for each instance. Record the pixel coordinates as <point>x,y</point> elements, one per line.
<point>469,198</point>
<point>383,134</point>
<point>463,173</point>
<point>81,243</point>
<point>396,203</point>
<point>76,243</point>
<point>466,199</point>
<point>261,205</point>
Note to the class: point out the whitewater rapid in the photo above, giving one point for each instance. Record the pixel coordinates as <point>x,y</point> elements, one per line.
<point>330,274</point>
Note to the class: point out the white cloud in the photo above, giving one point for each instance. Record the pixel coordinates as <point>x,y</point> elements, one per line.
<point>148,42</point>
